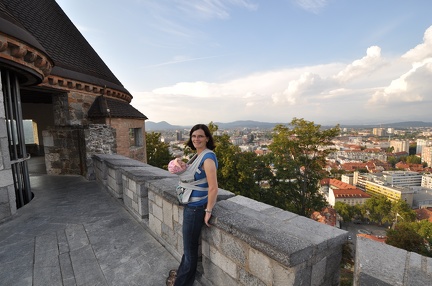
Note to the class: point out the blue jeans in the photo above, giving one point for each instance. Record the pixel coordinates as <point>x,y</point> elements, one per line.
<point>193,220</point>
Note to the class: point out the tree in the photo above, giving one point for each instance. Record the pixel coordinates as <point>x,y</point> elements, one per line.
<point>379,209</point>
<point>424,229</point>
<point>236,170</point>
<point>402,209</point>
<point>344,210</point>
<point>158,154</point>
<point>413,159</point>
<point>299,155</point>
<point>405,237</point>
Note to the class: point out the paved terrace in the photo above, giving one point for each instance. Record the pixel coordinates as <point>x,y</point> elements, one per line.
<point>73,233</point>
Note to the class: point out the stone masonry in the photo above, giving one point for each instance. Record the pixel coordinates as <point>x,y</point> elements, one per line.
<point>7,191</point>
<point>381,264</point>
<point>249,243</point>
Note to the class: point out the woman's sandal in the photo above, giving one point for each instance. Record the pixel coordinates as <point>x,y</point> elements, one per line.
<point>172,275</point>
<point>170,281</point>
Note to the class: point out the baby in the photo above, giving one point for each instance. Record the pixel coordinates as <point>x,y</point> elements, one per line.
<point>177,166</point>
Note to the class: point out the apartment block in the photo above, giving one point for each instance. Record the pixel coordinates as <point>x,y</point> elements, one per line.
<point>426,181</point>
<point>402,178</point>
<point>393,193</point>
<point>400,145</point>
<point>426,155</point>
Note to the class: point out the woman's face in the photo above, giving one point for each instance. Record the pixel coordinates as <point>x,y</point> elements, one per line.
<point>199,139</point>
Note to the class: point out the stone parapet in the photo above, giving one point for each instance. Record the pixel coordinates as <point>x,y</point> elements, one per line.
<point>7,190</point>
<point>249,242</point>
<point>381,264</point>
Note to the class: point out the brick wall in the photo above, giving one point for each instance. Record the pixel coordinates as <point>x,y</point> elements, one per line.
<point>124,145</point>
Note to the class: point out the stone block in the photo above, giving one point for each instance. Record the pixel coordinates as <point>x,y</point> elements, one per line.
<point>6,178</point>
<point>377,263</point>
<point>167,214</point>
<point>260,266</point>
<point>318,272</point>
<point>223,262</point>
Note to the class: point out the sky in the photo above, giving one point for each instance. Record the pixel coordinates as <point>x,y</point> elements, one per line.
<point>327,61</point>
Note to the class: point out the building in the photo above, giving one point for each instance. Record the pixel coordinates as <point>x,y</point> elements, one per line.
<point>426,155</point>
<point>379,132</point>
<point>402,178</point>
<point>421,143</point>
<point>426,181</point>
<point>350,197</point>
<point>392,193</point>
<point>400,145</point>
<point>51,76</point>
<point>377,185</point>
<point>348,179</point>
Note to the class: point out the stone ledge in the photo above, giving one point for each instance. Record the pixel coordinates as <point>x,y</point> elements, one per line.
<point>381,264</point>
<point>284,236</point>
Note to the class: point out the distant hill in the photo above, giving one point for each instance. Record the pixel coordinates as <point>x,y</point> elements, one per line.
<point>402,125</point>
<point>163,125</point>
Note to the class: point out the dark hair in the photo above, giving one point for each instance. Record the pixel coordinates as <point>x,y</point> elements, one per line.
<point>210,144</point>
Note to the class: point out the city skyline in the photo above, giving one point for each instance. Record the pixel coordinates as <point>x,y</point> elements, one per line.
<point>325,61</point>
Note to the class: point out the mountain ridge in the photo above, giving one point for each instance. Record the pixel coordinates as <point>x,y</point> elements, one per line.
<point>163,125</point>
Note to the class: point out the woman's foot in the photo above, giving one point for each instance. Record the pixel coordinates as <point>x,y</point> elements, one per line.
<point>172,275</point>
<point>170,281</point>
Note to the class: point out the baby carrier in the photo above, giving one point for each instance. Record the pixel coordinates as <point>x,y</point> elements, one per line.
<point>187,181</point>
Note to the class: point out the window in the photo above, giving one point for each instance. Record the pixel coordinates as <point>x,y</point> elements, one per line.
<point>136,137</point>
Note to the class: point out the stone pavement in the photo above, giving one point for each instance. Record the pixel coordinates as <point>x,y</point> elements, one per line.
<point>73,233</point>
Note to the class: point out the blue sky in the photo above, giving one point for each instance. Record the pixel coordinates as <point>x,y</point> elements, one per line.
<point>327,61</point>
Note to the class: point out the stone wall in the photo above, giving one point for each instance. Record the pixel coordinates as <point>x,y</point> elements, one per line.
<point>249,243</point>
<point>7,190</point>
<point>381,264</point>
<point>99,139</point>
<point>68,149</point>
<point>63,148</point>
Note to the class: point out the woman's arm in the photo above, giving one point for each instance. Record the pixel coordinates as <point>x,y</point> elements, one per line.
<point>211,174</point>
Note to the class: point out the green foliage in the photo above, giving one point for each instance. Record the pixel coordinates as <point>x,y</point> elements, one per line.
<point>298,155</point>
<point>236,171</point>
<point>424,229</point>
<point>344,210</point>
<point>378,209</point>
<point>413,159</point>
<point>404,236</point>
<point>402,210</point>
<point>158,154</point>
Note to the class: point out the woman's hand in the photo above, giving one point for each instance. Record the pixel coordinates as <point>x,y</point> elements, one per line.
<point>207,218</point>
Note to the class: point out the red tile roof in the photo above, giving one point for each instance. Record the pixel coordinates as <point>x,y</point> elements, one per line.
<point>350,193</point>
<point>340,185</point>
<point>425,213</point>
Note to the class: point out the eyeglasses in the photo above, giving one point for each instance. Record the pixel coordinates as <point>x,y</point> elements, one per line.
<point>198,136</point>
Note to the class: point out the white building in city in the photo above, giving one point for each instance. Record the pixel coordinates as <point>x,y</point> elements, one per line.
<point>421,143</point>
<point>402,178</point>
<point>400,145</point>
<point>426,155</point>
<point>426,181</point>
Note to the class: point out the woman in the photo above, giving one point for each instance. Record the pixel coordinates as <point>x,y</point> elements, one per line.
<point>196,213</point>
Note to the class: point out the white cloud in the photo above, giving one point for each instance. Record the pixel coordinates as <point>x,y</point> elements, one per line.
<point>370,87</point>
<point>413,85</point>
<point>366,65</point>
<point>423,50</point>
